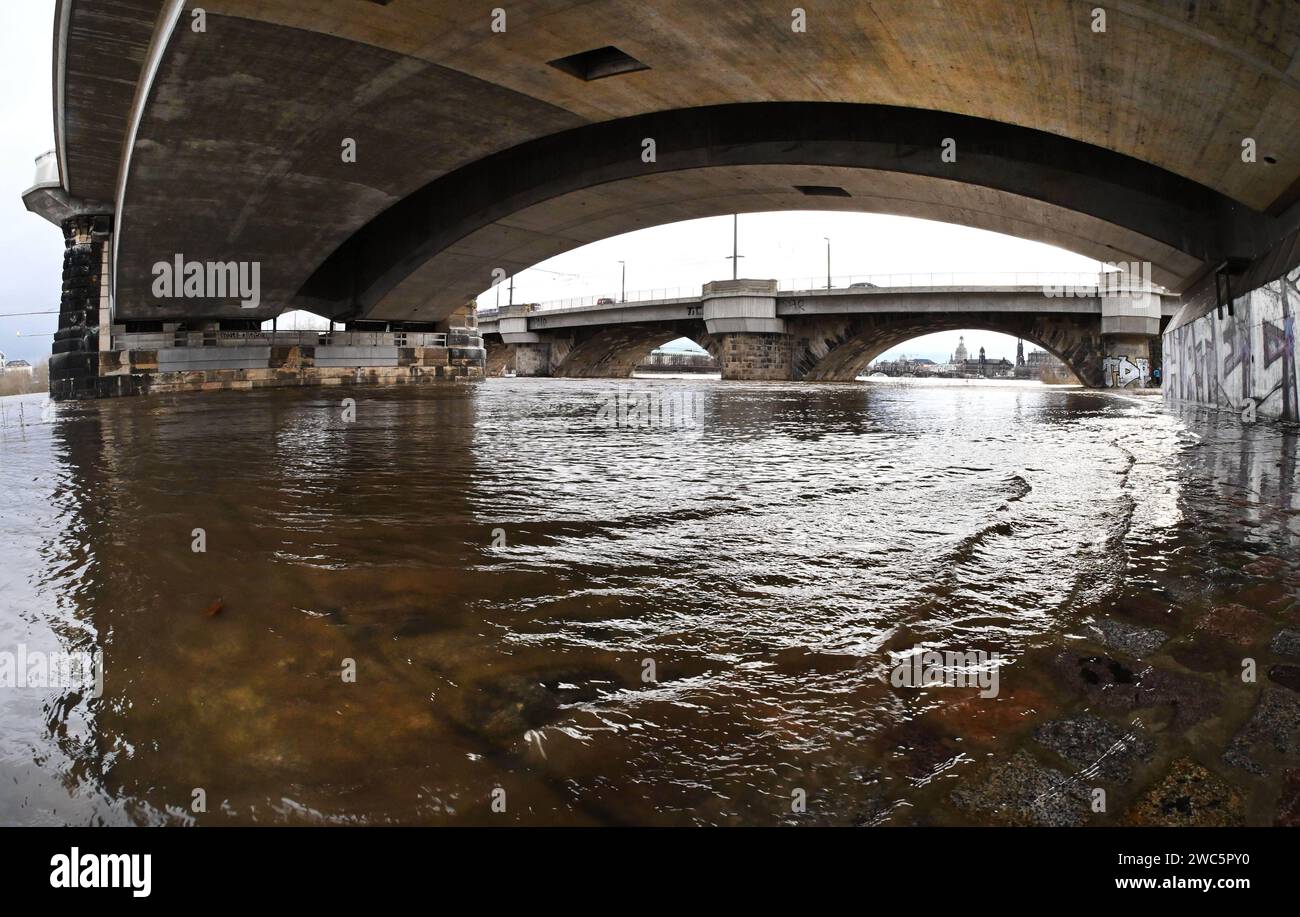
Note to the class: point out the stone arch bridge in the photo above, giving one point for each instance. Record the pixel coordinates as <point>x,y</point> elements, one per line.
<point>758,332</point>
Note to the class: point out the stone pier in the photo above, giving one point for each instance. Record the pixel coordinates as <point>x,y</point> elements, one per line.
<point>751,341</point>
<point>83,307</point>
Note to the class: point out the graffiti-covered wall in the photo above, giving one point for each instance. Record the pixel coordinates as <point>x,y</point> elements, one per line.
<point>1125,372</point>
<point>1244,362</point>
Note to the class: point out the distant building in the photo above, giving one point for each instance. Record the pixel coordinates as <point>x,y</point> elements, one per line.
<point>990,369</point>
<point>905,366</point>
<point>961,365</point>
<point>1040,364</point>
<point>666,359</point>
<point>15,367</point>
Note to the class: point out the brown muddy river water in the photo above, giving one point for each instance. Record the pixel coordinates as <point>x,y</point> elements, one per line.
<point>503,603</point>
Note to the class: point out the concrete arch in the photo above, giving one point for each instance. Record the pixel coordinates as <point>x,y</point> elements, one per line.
<point>224,145</point>
<point>430,251</point>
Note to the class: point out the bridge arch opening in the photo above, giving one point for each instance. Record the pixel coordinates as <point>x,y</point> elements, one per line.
<point>1069,344</point>
<point>616,352</point>
<point>681,356</point>
<point>543,198</point>
<point>970,353</point>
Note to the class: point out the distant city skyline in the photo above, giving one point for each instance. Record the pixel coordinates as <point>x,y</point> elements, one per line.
<point>996,346</point>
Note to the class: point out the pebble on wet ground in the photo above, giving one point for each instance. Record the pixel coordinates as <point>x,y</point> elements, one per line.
<point>1272,730</point>
<point>1090,743</point>
<point>1286,642</point>
<point>1189,796</point>
<point>1288,676</point>
<point>1127,638</point>
<point>1114,686</point>
<point>1021,791</point>
<point>1235,624</point>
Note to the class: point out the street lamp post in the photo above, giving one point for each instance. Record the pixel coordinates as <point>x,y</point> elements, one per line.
<point>735,246</point>
<point>828,261</point>
<point>622,296</point>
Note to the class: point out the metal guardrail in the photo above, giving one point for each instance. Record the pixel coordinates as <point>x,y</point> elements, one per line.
<point>943,279</point>
<point>586,302</point>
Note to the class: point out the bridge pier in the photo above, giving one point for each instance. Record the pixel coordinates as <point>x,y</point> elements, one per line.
<point>532,359</point>
<point>531,353</point>
<point>84,304</point>
<point>753,344</point>
<point>1130,325</point>
<point>83,307</point>
<point>756,356</point>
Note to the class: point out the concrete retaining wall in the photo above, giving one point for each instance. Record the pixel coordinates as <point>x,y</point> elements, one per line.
<point>1244,362</point>
<point>186,369</point>
<point>356,356</point>
<point>192,359</point>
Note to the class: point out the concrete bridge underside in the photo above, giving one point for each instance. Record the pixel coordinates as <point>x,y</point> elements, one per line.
<point>474,153</point>
<point>485,146</point>
<point>828,348</point>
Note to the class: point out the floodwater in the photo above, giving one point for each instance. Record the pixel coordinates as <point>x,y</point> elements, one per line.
<point>516,602</point>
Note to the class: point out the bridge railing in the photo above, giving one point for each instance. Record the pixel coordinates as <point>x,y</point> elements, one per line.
<point>942,279</point>
<point>633,296</point>
<point>844,282</point>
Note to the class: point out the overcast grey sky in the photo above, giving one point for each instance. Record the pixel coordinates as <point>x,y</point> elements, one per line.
<point>31,250</point>
<point>785,246</point>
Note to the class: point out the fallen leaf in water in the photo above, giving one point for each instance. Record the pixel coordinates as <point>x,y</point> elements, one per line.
<point>215,608</point>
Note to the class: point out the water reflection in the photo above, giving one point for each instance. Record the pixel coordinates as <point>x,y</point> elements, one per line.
<point>614,625</point>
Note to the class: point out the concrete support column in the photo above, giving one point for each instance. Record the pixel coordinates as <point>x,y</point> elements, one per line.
<point>1127,363</point>
<point>1130,325</point>
<point>83,308</point>
<point>532,359</point>
<point>752,343</point>
<point>532,355</point>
